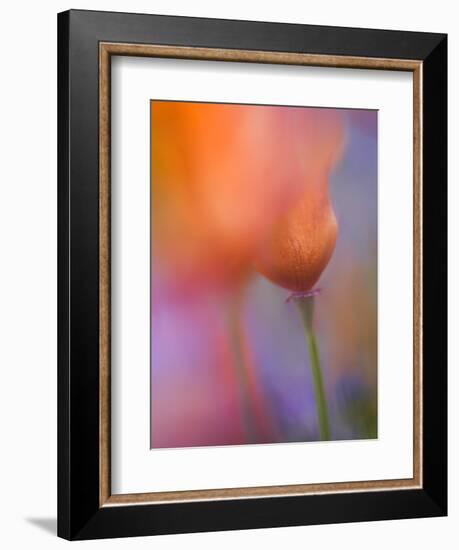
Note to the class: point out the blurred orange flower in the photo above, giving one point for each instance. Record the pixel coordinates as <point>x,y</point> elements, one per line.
<point>234,184</point>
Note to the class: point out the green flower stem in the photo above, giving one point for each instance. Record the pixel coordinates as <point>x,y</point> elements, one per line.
<point>306,307</point>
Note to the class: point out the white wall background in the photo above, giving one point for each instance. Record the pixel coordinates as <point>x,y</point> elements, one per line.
<point>28,271</point>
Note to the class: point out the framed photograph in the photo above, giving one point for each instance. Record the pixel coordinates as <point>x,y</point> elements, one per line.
<point>252,274</point>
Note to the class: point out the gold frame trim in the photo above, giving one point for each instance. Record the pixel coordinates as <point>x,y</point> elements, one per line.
<point>106,50</point>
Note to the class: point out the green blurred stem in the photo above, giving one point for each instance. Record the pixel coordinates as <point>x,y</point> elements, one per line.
<point>235,333</point>
<point>306,307</point>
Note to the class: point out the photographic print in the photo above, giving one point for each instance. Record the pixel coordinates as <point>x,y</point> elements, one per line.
<point>252,289</point>
<point>264,226</point>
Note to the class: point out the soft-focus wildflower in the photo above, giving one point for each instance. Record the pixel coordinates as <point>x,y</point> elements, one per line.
<point>232,180</point>
<point>301,243</point>
<point>302,240</point>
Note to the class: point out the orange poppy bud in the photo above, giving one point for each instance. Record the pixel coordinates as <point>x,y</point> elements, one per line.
<point>301,243</point>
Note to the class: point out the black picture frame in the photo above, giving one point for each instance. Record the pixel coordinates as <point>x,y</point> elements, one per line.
<point>80,515</point>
